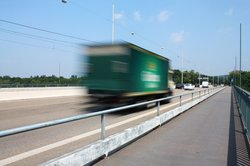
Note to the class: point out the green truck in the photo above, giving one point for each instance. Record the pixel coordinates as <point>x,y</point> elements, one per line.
<point>126,73</point>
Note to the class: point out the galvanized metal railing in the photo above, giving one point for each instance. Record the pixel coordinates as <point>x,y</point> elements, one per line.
<point>243,102</point>
<point>8,132</point>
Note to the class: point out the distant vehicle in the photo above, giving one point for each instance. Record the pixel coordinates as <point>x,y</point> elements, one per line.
<point>179,86</point>
<point>188,87</point>
<point>204,84</point>
<point>171,85</point>
<point>197,85</point>
<point>126,73</point>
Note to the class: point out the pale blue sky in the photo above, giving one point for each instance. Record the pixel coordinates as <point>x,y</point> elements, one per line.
<point>204,32</point>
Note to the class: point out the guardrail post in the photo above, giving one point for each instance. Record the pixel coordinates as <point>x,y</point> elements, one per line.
<point>192,96</point>
<point>158,108</point>
<point>180,100</point>
<point>102,126</point>
<point>199,94</point>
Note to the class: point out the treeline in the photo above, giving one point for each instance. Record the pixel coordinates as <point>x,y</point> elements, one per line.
<point>245,79</point>
<point>39,81</point>
<point>233,78</point>
<point>193,77</point>
<point>188,77</point>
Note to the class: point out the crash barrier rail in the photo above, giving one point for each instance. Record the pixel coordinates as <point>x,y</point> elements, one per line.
<point>36,85</point>
<point>26,128</point>
<point>243,103</point>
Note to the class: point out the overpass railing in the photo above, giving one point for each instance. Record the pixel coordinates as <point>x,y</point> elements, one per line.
<point>243,100</point>
<point>198,93</point>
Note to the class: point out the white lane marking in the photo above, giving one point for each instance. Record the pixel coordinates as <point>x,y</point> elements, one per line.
<point>30,153</point>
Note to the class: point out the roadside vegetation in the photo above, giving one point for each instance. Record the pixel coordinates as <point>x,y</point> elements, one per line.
<point>193,78</point>
<point>40,81</point>
<point>188,77</point>
<point>245,79</point>
<point>233,78</point>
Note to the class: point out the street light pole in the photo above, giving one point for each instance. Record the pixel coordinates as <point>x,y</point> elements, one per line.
<point>181,56</point>
<point>59,73</point>
<point>113,23</point>
<point>181,69</point>
<point>213,80</point>
<point>240,55</point>
<point>199,79</point>
<point>235,69</point>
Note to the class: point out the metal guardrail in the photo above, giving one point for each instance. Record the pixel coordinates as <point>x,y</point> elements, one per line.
<point>8,132</point>
<point>243,102</point>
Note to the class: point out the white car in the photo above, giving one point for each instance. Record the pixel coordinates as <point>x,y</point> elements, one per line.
<point>205,84</point>
<point>188,87</point>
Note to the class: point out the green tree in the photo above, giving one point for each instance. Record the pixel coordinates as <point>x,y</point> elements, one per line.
<point>42,80</point>
<point>177,76</point>
<point>234,78</point>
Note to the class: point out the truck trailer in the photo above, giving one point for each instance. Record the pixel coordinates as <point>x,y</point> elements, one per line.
<point>126,73</point>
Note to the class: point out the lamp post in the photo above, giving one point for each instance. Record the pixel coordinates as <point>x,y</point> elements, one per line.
<point>113,20</point>
<point>113,23</point>
<point>213,80</point>
<point>181,68</point>
<point>59,72</point>
<point>199,79</point>
<point>240,55</point>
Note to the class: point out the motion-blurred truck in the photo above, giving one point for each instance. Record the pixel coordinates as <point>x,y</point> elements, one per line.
<point>126,73</point>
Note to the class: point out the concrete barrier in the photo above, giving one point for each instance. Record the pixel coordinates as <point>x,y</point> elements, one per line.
<point>7,94</point>
<point>101,148</point>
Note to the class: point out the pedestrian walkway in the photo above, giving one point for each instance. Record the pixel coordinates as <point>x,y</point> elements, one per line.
<point>199,137</point>
<point>239,153</point>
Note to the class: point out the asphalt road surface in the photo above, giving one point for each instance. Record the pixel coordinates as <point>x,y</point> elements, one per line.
<point>38,146</point>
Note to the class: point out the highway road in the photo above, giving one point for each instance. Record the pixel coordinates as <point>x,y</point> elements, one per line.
<point>38,146</point>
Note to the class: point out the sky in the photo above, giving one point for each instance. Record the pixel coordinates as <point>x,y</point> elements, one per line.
<point>45,37</point>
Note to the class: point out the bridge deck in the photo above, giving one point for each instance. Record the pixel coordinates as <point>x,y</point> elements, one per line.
<point>197,137</point>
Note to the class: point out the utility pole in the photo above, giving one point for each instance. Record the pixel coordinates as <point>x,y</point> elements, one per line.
<point>181,56</point>
<point>181,69</point>
<point>59,72</point>
<point>240,55</point>
<point>113,23</point>
<point>213,80</point>
<point>199,79</point>
<point>235,69</point>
